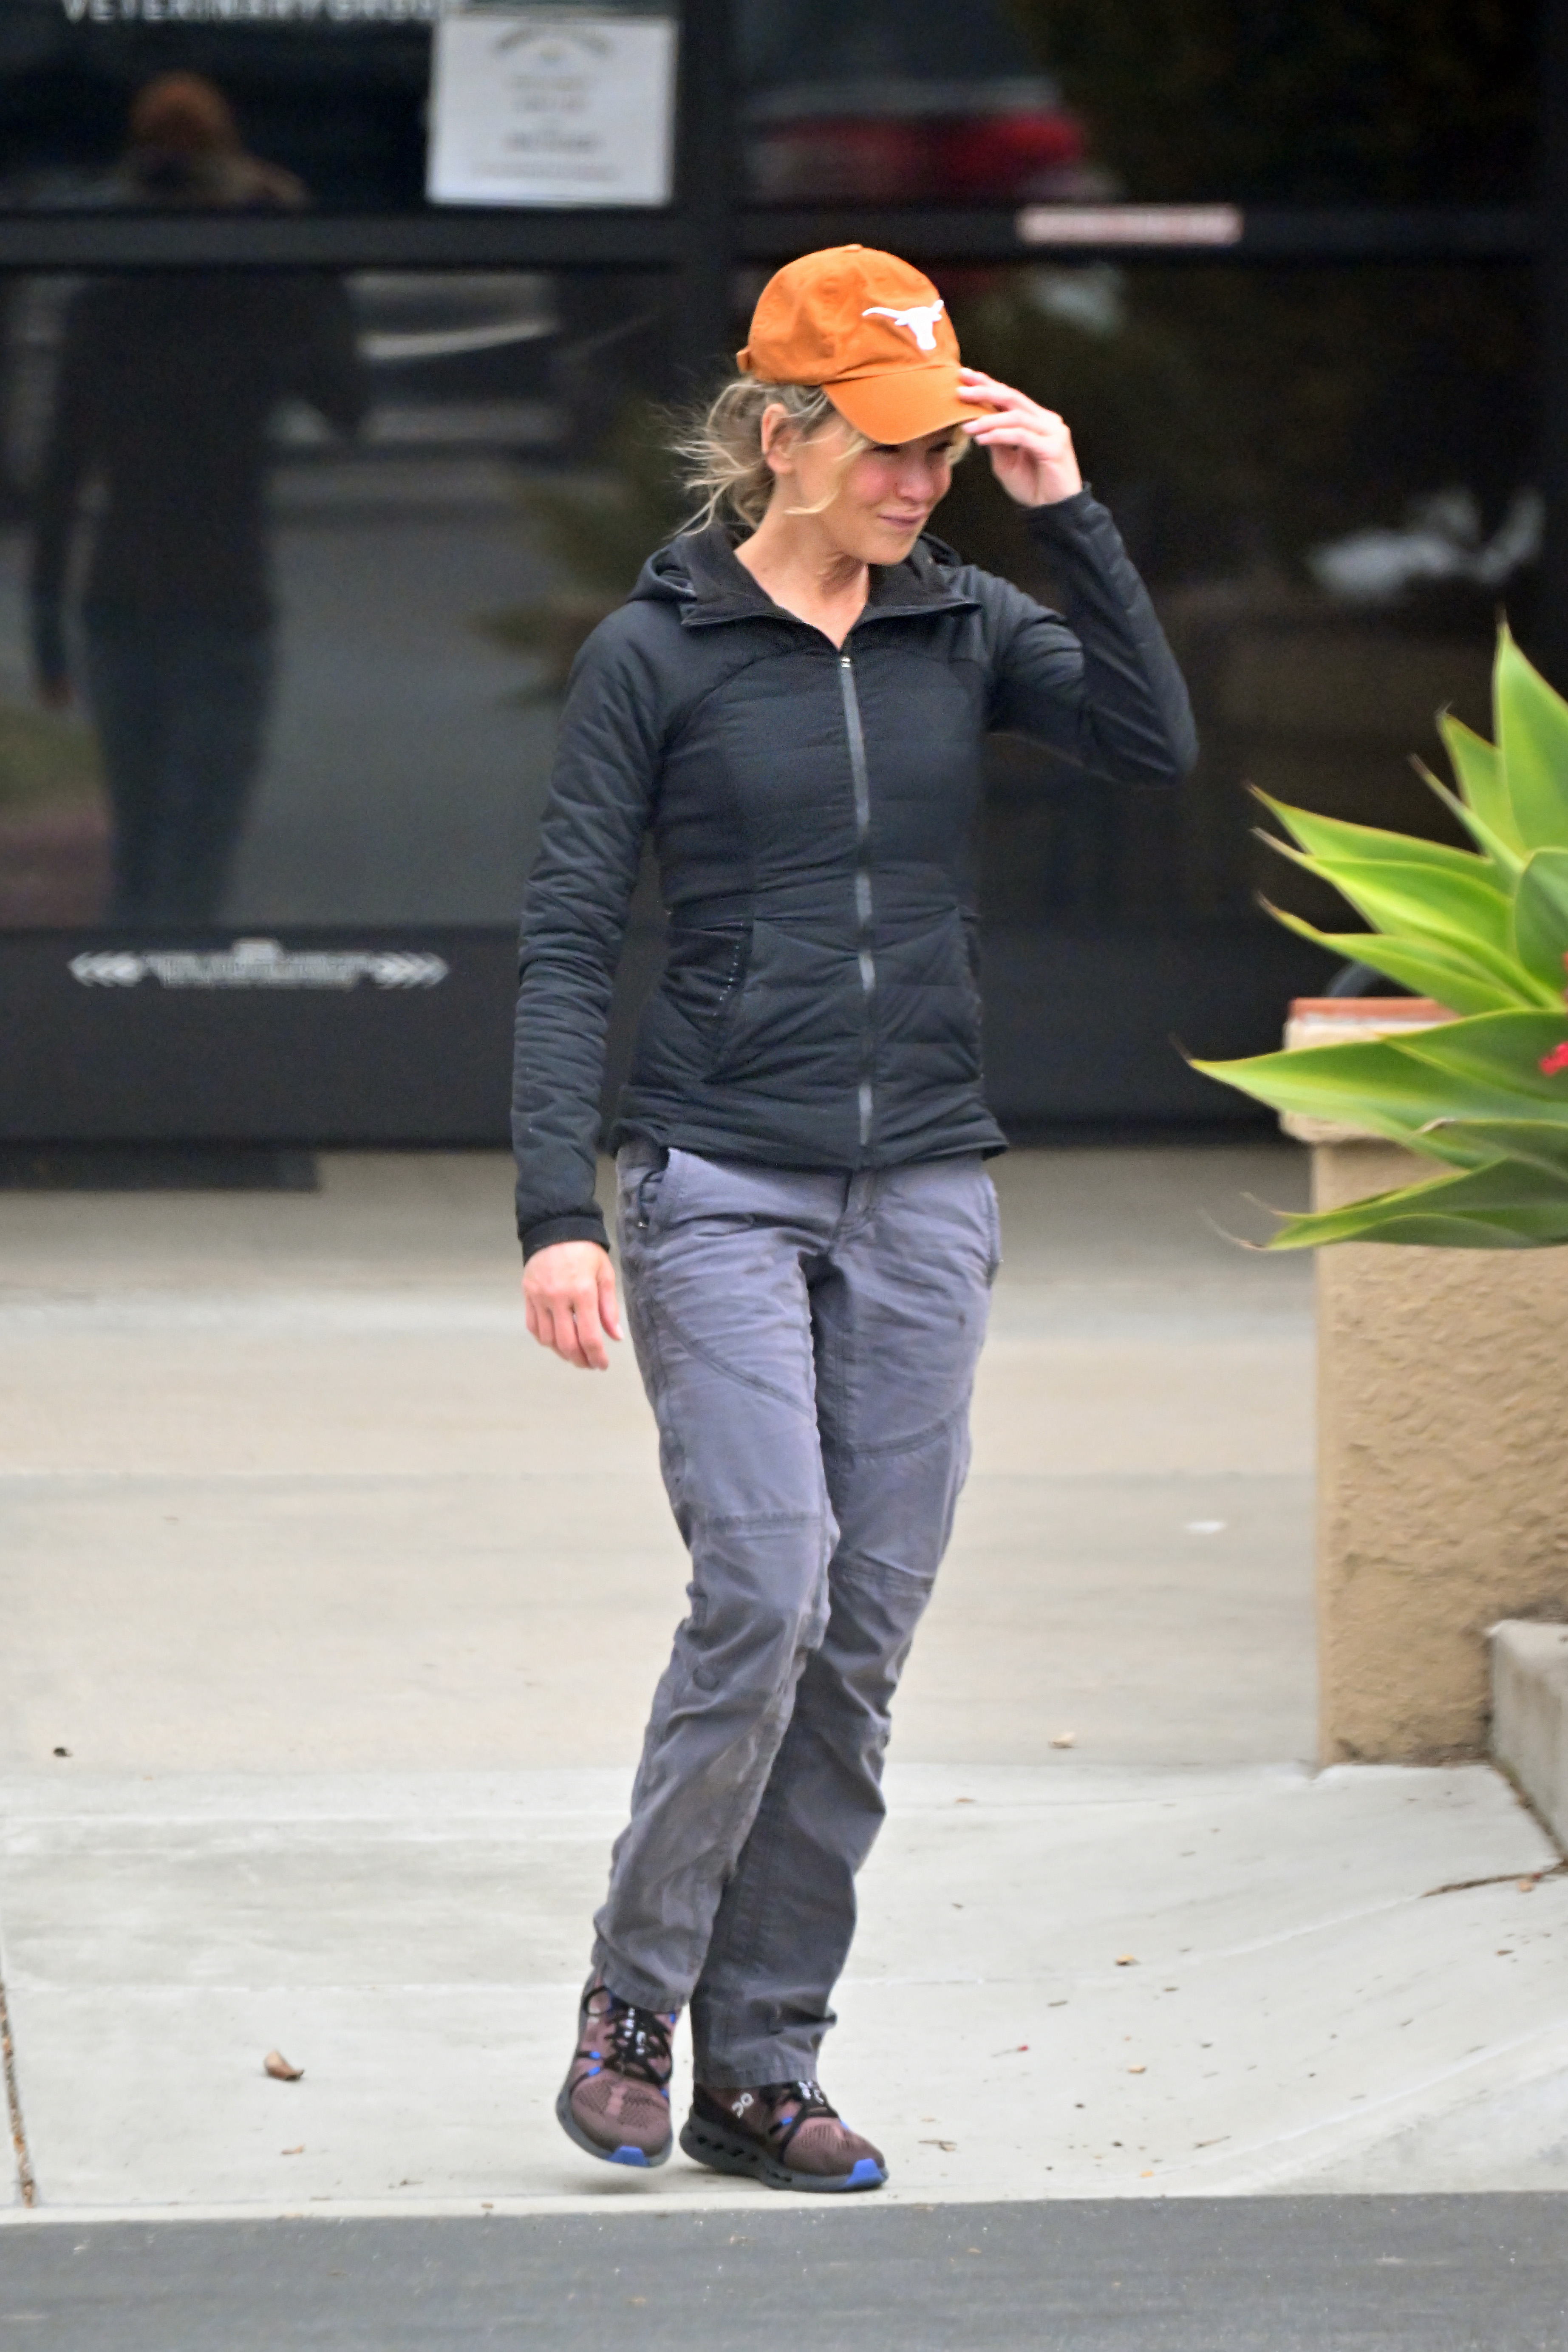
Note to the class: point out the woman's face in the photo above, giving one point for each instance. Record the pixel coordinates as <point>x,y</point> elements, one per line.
<point>876,505</point>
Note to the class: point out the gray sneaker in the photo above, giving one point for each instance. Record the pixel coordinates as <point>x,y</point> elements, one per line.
<point>785,2135</point>
<point>615,2101</point>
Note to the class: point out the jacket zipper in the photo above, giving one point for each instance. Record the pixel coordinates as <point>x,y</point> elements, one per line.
<point>863,907</point>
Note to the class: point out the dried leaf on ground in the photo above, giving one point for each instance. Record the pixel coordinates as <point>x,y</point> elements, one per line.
<point>278,2066</point>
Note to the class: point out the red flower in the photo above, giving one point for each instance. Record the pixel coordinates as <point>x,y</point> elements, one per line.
<point>1554,1061</point>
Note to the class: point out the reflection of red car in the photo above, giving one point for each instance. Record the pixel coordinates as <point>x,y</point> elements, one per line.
<point>983,142</point>
<point>903,100</point>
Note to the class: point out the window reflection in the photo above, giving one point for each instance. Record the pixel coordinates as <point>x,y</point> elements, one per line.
<point>331,546</point>
<point>1321,471</point>
<point>338,104</point>
<point>1400,103</point>
<point>164,389</point>
<point>1323,475</point>
<point>904,101</point>
<point>993,100</point>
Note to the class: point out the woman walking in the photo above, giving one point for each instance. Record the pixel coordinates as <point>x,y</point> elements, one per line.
<point>794,700</point>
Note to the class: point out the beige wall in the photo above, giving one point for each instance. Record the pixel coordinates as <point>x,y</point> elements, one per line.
<point>1442,1439</point>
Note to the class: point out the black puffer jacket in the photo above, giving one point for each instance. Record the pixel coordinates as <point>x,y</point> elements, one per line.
<point>812,813</point>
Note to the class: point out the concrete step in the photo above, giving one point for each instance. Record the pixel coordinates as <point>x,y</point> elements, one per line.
<point>1530,1714</point>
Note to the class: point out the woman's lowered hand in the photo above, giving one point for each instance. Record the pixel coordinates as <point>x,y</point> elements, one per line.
<point>1030,449</point>
<point>569,1302</point>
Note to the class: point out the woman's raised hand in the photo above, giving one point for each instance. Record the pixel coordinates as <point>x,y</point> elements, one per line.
<point>1030,449</point>
<point>569,1302</point>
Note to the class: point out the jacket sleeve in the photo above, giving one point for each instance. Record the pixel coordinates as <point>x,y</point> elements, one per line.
<point>1100,686</point>
<point>574,924</point>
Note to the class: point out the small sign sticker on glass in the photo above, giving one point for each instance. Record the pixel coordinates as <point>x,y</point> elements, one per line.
<point>552,106</point>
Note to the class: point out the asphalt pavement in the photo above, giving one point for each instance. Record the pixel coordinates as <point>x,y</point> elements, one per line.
<point>1266,2274</point>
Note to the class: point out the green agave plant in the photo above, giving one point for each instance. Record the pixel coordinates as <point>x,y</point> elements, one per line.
<point>1485,931</point>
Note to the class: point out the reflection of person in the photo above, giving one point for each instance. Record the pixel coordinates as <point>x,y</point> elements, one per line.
<point>167,382</point>
<point>795,707</point>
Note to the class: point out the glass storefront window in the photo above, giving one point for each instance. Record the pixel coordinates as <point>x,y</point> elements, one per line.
<point>1324,476</point>
<point>904,101</point>
<point>1405,102</point>
<point>435,484</point>
<point>1009,101</point>
<point>292,565</point>
<point>338,107</point>
<point>330,106</point>
<point>290,574</point>
<point>995,101</point>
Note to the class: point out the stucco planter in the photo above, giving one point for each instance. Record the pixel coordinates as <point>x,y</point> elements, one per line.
<point>1442,1448</point>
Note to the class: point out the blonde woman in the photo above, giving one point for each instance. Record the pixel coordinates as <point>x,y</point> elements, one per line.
<point>793,701</point>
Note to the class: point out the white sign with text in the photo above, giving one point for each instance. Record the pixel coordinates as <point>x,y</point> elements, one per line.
<point>552,106</point>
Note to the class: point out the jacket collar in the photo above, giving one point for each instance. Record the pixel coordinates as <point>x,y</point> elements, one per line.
<point>722,589</point>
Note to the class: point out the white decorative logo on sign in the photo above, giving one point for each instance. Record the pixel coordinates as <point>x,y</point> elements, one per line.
<point>920,319</point>
<point>552,106</point>
<point>259,964</point>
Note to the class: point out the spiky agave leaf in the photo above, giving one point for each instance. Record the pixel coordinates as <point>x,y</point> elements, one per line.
<point>1507,1124</point>
<point>1540,919</point>
<point>1327,839</point>
<point>1508,1204</point>
<point>1532,741</point>
<point>1417,964</point>
<point>1506,862</point>
<point>1540,1143</point>
<point>1498,1052</point>
<point>1457,910</point>
<point>1478,768</point>
<point>1431,931</point>
<point>1381,1085</point>
<point>1486,933</point>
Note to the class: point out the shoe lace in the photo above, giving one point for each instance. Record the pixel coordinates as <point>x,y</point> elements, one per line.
<point>639,2044</point>
<point>808,2102</point>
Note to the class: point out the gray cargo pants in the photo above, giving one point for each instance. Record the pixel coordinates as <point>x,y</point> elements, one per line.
<point>808,1343</point>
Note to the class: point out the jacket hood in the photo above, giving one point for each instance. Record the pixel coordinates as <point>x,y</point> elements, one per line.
<point>698,571</point>
<point>666,577</point>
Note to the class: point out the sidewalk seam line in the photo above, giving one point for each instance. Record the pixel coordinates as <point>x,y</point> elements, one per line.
<point>25,2181</point>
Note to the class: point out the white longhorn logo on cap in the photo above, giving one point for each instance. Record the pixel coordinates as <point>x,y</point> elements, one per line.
<point>921,319</point>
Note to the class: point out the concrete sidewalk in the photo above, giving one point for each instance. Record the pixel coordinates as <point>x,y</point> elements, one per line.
<point>307,1548</point>
<point>1082,1982</point>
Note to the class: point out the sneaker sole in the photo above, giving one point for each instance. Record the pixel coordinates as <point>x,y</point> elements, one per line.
<point>638,2158</point>
<point>725,2151</point>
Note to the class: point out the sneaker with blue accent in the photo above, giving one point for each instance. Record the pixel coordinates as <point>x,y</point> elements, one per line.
<point>615,2101</point>
<point>785,2135</point>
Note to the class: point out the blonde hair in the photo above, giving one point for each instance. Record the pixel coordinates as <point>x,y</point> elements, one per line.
<point>720,452</point>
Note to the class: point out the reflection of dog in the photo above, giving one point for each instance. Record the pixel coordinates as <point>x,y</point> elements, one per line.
<point>920,320</point>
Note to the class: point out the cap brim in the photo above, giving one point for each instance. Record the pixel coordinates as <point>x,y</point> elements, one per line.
<point>905,404</point>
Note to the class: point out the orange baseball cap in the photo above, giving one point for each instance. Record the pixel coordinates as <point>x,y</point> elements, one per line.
<point>871,331</point>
